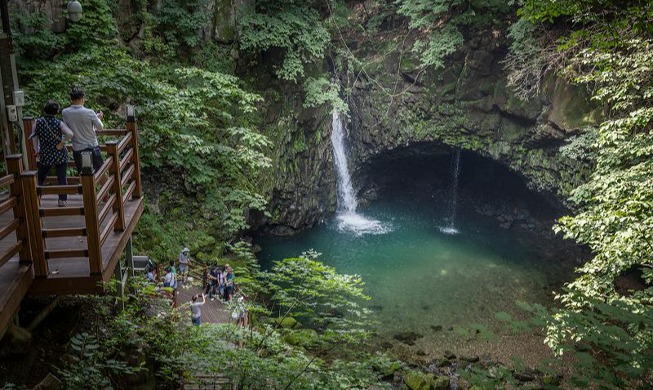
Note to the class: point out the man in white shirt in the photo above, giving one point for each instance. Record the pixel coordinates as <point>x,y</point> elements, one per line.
<point>84,122</point>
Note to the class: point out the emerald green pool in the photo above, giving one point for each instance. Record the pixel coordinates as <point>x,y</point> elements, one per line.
<point>421,278</point>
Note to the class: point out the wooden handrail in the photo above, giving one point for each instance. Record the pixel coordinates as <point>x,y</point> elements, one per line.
<point>128,175</point>
<point>109,132</point>
<point>6,180</point>
<point>99,175</point>
<point>113,150</point>
<point>106,187</point>
<point>108,229</point>
<point>124,142</point>
<point>10,228</point>
<point>105,210</point>
<point>15,168</point>
<point>11,252</point>
<point>8,204</point>
<point>129,192</point>
<point>126,159</point>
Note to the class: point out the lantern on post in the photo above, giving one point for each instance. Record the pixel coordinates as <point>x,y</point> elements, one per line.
<point>74,10</point>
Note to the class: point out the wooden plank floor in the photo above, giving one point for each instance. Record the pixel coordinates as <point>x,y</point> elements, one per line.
<point>72,275</point>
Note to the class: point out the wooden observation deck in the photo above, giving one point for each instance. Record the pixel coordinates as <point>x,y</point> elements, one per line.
<point>51,250</point>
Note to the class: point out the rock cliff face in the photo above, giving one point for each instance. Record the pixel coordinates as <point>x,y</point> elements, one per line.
<point>399,110</point>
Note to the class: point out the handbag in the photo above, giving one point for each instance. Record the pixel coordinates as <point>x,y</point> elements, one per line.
<point>59,145</point>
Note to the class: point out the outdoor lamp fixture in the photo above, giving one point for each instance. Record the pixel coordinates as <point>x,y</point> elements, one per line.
<point>87,163</point>
<point>131,113</point>
<point>74,10</point>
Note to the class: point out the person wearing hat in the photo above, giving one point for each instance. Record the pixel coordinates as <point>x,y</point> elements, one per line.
<point>184,261</point>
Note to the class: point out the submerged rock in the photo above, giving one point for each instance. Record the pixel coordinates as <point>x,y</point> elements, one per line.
<point>407,337</point>
<point>449,355</point>
<point>471,359</point>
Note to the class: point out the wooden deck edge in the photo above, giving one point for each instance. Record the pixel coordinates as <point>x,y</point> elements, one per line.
<point>124,237</point>
<point>12,304</point>
<point>67,286</point>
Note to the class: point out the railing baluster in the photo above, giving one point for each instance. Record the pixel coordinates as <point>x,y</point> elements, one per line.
<point>114,170</point>
<point>131,126</point>
<point>28,122</point>
<point>36,241</point>
<point>92,224</point>
<point>15,167</point>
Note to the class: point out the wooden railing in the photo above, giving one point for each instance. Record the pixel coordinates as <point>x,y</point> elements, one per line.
<point>104,195</point>
<point>12,203</point>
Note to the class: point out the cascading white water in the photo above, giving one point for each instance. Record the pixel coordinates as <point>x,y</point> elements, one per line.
<point>348,219</point>
<point>346,198</point>
<point>451,226</point>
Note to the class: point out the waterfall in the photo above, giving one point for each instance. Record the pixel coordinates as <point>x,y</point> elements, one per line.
<point>348,219</point>
<point>346,198</point>
<point>453,202</point>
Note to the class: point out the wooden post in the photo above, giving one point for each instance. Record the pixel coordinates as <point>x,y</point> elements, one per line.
<point>89,196</point>
<point>35,226</point>
<point>15,167</point>
<point>114,170</point>
<point>28,122</point>
<point>131,127</point>
<point>129,255</point>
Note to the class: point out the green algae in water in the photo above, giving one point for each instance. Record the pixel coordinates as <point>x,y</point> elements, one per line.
<point>420,278</point>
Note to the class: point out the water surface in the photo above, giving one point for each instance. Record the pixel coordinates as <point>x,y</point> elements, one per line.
<point>420,277</point>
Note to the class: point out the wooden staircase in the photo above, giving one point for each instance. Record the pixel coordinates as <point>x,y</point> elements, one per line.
<point>50,250</point>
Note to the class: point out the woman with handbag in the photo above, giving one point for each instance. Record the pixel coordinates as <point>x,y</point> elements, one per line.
<point>49,135</point>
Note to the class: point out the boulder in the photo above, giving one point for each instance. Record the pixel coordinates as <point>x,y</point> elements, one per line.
<point>287,323</point>
<point>301,337</point>
<point>441,382</point>
<point>407,337</point>
<point>50,382</point>
<point>418,381</point>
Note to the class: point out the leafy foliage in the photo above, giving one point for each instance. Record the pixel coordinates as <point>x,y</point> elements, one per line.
<point>314,293</point>
<point>443,22</point>
<point>293,27</point>
<point>197,126</point>
<point>321,91</point>
<point>92,368</point>
<point>607,326</point>
<point>177,23</point>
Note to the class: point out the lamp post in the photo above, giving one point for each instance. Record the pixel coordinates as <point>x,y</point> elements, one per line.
<point>9,112</point>
<point>12,98</point>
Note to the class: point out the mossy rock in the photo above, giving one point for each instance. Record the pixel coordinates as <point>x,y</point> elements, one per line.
<point>441,383</point>
<point>387,371</point>
<point>302,337</point>
<point>287,323</point>
<point>418,381</point>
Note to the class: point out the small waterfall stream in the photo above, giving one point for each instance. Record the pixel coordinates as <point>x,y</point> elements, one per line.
<point>453,203</point>
<point>346,199</point>
<point>348,219</point>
